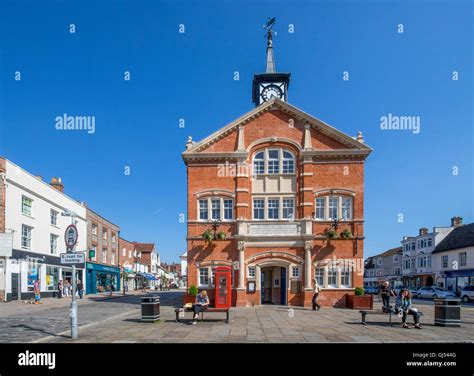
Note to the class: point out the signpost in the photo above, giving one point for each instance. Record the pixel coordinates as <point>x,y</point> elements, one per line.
<point>70,238</point>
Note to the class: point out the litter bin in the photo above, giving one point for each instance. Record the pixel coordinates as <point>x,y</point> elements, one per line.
<point>150,308</point>
<point>448,312</point>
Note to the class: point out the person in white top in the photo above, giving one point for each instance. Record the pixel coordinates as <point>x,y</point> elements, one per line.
<point>316,291</point>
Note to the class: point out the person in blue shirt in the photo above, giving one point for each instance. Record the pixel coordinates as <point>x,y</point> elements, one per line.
<point>404,305</point>
<point>201,304</point>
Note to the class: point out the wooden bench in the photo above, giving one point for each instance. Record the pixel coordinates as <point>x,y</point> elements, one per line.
<point>364,313</point>
<point>208,310</point>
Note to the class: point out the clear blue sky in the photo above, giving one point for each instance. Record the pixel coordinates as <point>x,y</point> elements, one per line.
<point>190,76</point>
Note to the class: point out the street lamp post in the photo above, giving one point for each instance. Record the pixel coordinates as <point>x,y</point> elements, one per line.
<point>73,310</point>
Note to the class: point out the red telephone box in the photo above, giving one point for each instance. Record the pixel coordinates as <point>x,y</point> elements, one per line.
<point>222,294</point>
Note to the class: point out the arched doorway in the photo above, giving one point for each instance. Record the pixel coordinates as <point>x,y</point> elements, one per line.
<point>273,285</point>
<point>429,281</point>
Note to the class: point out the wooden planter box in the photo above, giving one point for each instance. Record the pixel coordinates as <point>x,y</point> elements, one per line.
<point>189,298</point>
<point>360,302</point>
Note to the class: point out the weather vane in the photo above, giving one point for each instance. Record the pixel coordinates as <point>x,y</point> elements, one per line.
<point>268,27</point>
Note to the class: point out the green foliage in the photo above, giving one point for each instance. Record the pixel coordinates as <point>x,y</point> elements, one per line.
<point>346,234</point>
<point>208,236</point>
<point>331,234</point>
<point>359,291</point>
<point>221,235</point>
<point>193,290</point>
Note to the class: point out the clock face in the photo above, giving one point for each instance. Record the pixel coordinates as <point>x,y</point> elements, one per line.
<point>270,92</point>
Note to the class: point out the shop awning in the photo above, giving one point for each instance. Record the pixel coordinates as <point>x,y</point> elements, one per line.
<point>148,276</point>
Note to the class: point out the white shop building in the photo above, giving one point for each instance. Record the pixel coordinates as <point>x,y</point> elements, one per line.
<point>33,216</point>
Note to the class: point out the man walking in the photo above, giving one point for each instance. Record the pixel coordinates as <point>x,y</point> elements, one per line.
<point>316,291</point>
<point>80,288</point>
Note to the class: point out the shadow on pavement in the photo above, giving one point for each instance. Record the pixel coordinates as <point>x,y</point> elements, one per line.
<point>39,330</point>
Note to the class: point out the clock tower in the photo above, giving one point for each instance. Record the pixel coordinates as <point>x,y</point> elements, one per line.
<point>270,84</point>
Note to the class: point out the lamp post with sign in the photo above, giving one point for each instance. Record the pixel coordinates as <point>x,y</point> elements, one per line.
<point>70,237</point>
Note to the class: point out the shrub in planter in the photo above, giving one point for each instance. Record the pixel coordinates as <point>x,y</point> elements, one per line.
<point>208,236</point>
<point>359,300</point>
<point>221,235</point>
<point>359,291</point>
<point>346,234</point>
<point>190,297</point>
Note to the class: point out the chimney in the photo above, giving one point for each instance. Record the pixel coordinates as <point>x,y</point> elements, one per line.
<point>423,231</point>
<point>56,183</point>
<point>456,221</point>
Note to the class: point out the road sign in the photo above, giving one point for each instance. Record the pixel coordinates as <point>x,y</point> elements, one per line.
<point>70,236</point>
<point>72,258</point>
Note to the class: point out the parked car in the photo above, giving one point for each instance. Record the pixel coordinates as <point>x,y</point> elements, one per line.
<point>371,290</point>
<point>467,293</point>
<point>432,292</point>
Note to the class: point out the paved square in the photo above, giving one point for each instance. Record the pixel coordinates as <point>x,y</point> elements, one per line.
<point>275,324</point>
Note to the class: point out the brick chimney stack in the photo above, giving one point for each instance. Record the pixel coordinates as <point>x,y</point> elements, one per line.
<point>456,221</point>
<point>423,231</point>
<point>56,183</point>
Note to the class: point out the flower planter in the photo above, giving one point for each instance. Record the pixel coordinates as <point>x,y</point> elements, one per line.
<point>189,298</point>
<point>360,302</point>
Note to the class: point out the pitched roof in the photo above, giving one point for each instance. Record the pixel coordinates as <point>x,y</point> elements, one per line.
<point>144,247</point>
<point>298,114</point>
<point>390,252</point>
<point>460,237</point>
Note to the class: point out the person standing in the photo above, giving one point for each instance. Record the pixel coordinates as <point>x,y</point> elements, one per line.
<point>36,288</point>
<point>60,289</point>
<point>65,288</point>
<point>316,291</point>
<point>80,289</point>
<point>386,292</point>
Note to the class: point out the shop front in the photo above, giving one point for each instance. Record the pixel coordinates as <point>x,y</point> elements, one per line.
<point>457,279</point>
<point>102,278</point>
<point>25,268</point>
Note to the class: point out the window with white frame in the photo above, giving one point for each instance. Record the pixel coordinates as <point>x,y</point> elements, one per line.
<point>114,238</point>
<point>204,277</point>
<point>129,254</point>
<point>334,207</point>
<point>273,208</point>
<point>379,262</point>
<point>94,229</point>
<point>221,209</point>
<point>104,234</point>
<point>251,272</point>
<point>462,259</point>
<point>444,261</point>
<point>53,244</point>
<point>228,209</point>
<point>295,272</point>
<point>26,232</point>
<point>26,205</point>
<point>320,208</point>
<point>288,208</point>
<point>54,217</point>
<point>259,163</point>
<point>346,280</point>
<point>320,275</point>
<point>216,208</point>
<point>203,210</point>
<point>332,276</point>
<point>273,161</point>
<point>112,258</point>
<point>288,163</point>
<point>94,248</point>
<point>124,252</point>
<point>104,255</point>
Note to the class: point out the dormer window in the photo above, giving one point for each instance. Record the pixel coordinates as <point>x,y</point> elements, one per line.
<point>274,161</point>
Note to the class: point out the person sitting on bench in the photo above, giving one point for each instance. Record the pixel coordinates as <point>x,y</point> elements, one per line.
<point>404,305</point>
<point>201,304</point>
